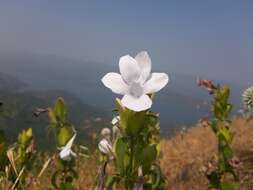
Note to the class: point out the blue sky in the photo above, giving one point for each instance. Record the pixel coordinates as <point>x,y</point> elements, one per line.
<point>213,38</point>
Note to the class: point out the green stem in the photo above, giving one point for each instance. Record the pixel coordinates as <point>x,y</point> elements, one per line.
<point>131,154</point>
<point>129,184</point>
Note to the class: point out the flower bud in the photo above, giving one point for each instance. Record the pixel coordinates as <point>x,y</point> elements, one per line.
<point>247,98</point>
<point>66,153</point>
<point>116,132</point>
<point>106,133</point>
<point>115,120</point>
<point>208,84</point>
<point>105,147</point>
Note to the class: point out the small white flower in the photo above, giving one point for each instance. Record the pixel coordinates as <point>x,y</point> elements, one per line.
<point>115,128</point>
<point>106,133</point>
<point>135,81</point>
<point>66,151</point>
<point>105,147</point>
<point>115,120</point>
<point>116,132</point>
<point>247,98</point>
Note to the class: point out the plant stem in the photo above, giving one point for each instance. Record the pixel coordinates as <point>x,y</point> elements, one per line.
<point>130,184</point>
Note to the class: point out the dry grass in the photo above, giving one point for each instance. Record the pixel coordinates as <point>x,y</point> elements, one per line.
<point>182,158</point>
<point>185,155</point>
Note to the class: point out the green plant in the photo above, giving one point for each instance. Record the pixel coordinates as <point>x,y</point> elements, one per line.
<point>16,161</point>
<point>21,157</point>
<point>3,153</point>
<point>3,149</point>
<point>65,173</point>
<point>218,175</point>
<point>133,154</point>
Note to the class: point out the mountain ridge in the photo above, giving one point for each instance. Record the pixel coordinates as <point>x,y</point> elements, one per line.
<point>181,102</point>
<point>19,105</point>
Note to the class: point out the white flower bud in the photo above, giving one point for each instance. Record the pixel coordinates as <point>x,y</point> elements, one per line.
<point>66,151</point>
<point>106,133</point>
<point>115,120</point>
<point>116,132</point>
<point>105,147</point>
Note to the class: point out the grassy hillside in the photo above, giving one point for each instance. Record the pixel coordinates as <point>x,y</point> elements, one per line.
<point>183,158</point>
<point>185,155</point>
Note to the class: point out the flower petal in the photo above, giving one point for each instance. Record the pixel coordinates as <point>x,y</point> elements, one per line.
<point>105,147</point>
<point>115,120</point>
<point>116,132</point>
<point>156,83</point>
<point>145,64</point>
<point>73,153</point>
<point>137,104</point>
<point>65,154</point>
<point>129,69</point>
<point>115,82</point>
<point>70,142</point>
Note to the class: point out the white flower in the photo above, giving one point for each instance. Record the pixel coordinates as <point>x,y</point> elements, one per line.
<point>135,81</point>
<point>115,120</point>
<point>106,133</point>
<point>105,146</point>
<point>115,128</point>
<point>247,98</point>
<point>66,151</point>
<point>116,132</point>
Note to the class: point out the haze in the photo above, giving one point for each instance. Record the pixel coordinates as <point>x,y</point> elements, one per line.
<point>207,38</point>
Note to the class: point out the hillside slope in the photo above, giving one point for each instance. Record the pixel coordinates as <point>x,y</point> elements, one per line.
<point>19,104</point>
<point>185,155</point>
<point>183,158</point>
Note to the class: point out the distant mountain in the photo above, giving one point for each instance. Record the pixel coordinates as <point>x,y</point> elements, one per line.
<point>181,102</point>
<point>19,105</point>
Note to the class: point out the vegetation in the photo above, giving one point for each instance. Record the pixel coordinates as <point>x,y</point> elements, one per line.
<point>130,155</point>
<point>183,160</point>
<point>225,162</point>
<point>21,109</point>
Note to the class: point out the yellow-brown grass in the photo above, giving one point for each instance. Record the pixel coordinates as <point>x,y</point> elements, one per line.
<point>183,157</point>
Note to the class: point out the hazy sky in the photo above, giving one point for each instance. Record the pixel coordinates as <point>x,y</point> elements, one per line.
<point>207,37</point>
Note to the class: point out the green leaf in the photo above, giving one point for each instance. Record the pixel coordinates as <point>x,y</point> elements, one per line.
<point>52,117</point>
<point>221,164</point>
<point>214,180</point>
<point>214,125</point>
<point>112,182</point>
<point>132,122</point>
<point>158,179</point>
<point>227,152</point>
<point>60,109</point>
<point>229,108</point>
<point>25,136</point>
<point>3,151</point>
<point>225,135</point>
<point>226,185</point>
<point>54,178</point>
<point>66,186</point>
<point>29,133</point>
<point>120,149</point>
<point>120,108</point>
<point>225,92</point>
<point>146,156</point>
<point>64,135</point>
